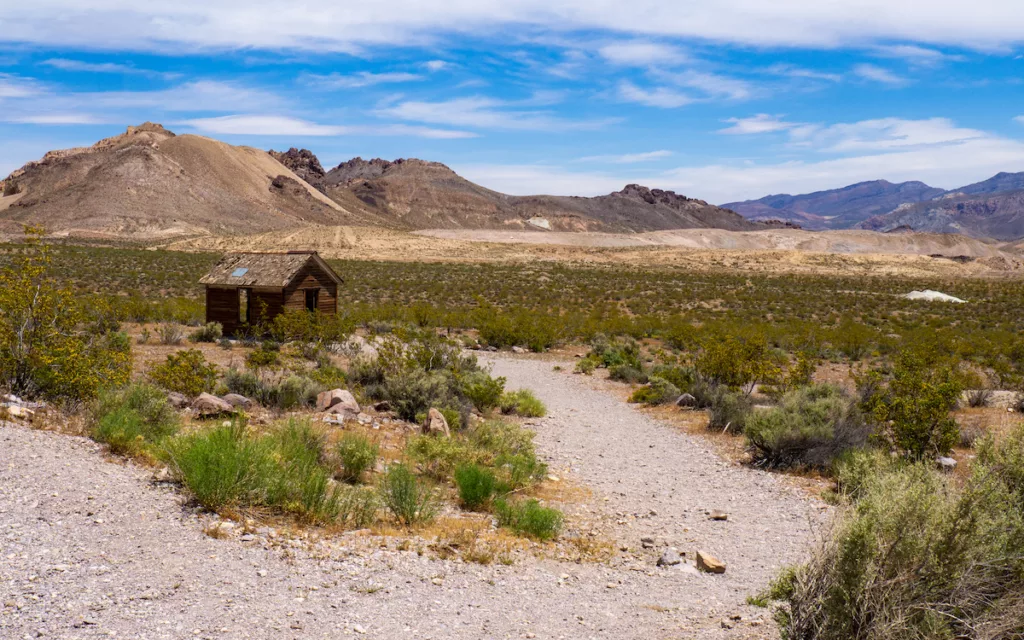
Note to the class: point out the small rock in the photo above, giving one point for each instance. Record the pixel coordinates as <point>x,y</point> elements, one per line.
<point>337,401</point>
<point>237,401</point>
<point>718,515</point>
<point>553,478</point>
<point>669,558</point>
<point>709,563</point>
<point>436,424</point>
<point>946,464</point>
<point>518,350</point>
<point>686,400</point>
<point>210,405</point>
<point>437,581</point>
<point>358,628</point>
<point>177,400</point>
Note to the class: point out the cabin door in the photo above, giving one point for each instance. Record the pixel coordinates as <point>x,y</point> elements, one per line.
<point>312,298</point>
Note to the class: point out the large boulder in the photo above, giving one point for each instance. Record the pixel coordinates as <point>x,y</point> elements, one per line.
<point>238,401</point>
<point>210,405</point>
<point>436,424</point>
<point>337,401</point>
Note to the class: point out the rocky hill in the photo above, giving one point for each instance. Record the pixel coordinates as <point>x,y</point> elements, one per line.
<point>149,183</point>
<point>836,208</point>
<point>997,216</point>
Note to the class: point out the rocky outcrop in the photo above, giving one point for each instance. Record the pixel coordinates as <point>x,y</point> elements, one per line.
<point>337,401</point>
<point>304,164</point>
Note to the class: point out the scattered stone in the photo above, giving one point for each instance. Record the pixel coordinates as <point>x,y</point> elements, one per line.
<point>437,581</point>
<point>553,478</point>
<point>177,400</point>
<point>686,400</point>
<point>709,563</point>
<point>669,558</point>
<point>210,405</point>
<point>358,628</point>
<point>518,350</point>
<point>18,412</point>
<point>337,401</point>
<point>647,542</point>
<point>382,406</point>
<point>237,401</point>
<point>436,424</point>
<point>946,464</point>
<point>718,515</point>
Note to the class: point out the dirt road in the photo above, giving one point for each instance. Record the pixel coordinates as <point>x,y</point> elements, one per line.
<point>91,548</point>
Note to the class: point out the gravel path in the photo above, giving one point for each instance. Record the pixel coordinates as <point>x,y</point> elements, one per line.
<point>91,548</point>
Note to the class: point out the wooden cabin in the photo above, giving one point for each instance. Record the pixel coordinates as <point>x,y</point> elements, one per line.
<point>244,289</point>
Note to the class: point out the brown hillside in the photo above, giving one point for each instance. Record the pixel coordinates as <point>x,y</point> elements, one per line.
<point>148,182</point>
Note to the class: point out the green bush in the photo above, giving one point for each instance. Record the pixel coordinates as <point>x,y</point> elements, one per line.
<point>131,419</point>
<point>509,449</point>
<point>170,333</point>
<point>811,427</point>
<point>292,392</point>
<point>357,455</point>
<point>262,357</point>
<point>439,457</point>
<point>735,362</point>
<point>301,483</point>
<point>522,403</point>
<point>416,391</point>
<point>528,517</point>
<point>919,555</point>
<point>627,373</point>
<point>911,406</point>
<point>586,366</point>
<point>729,411</point>
<point>657,391</point>
<point>357,507</point>
<point>482,390</point>
<point>477,486</point>
<point>223,467</point>
<point>407,497</point>
<point>209,332</point>
<point>186,372</point>
<point>681,377</point>
<point>244,383</point>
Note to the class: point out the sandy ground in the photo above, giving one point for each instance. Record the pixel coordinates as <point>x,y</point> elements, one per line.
<point>92,548</point>
<point>785,251</point>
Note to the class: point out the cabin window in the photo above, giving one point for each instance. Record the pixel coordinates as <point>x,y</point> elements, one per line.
<point>312,297</point>
<point>243,306</point>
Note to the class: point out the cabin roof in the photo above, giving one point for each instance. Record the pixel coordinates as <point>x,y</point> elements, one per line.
<point>263,269</point>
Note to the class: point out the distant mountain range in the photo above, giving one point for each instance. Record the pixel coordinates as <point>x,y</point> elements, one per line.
<point>992,209</point>
<point>149,183</point>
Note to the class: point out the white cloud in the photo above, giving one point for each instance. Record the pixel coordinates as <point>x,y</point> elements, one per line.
<point>641,54</point>
<point>885,134</point>
<point>275,125</point>
<point>629,158</point>
<point>916,55</point>
<point>65,64</point>
<point>661,97</point>
<point>878,74</point>
<point>481,112</point>
<point>1019,119</point>
<point>202,95</point>
<point>436,65</point>
<point>56,118</point>
<point>791,71</point>
<point>17,87</point>
<point>272,24</point>
<point>712,84</point>
<point>760,123</point>
<point>361,79</point>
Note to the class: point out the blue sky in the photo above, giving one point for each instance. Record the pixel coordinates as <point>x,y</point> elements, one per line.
<point>723,100</point>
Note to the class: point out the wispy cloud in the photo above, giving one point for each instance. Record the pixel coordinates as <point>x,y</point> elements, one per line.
<point>480,112</point>
<point>712,84</point>
<point>660,97</point>
<point>65,64</point>
<point>1019,119</point>
<point>56,119</point>
<point>12,86</point>
<point>887,134</point>
<point>916,55</point>
<point>878,74</point>
<point>760,123</point>
<point>790,71</point>
<point>277,125</point>
<point>641,54</point>
<point>361,79</point>
<point>629,158</point>
<point>436,65</point>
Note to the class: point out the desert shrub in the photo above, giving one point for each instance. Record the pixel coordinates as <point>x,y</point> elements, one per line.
<point>627,373</point>
<point>292,392</point>
<point>729,411</point>
<point>979,397</point>
<point>454,417</point>
<point>920,556</point>
<point>170,333</point>
<point>244,383</point>
<point>209,332</point>
<point>132,418</point>
<point>322,330</point>
<point>328,376</point>
<point>439,457</point>
<point>186,372</point>
<point>737,363</point>
<point>811,427</point>
<point>408,498</point>
<point>262,357</point>
<point>482,390</point>
<point>47,347</point>
<point>223,467</point>
<point>910,406</point>
<point>657,391</point>
<point>971,435</point>
<point>853,469</point>
<point>528,517</point>
<point>357,507</point>
<point>415,391</point>
<point>522,402</point>
<point>301,482</point>
<point>586,366</point>
<point>798,374</point>
<point>477,486</point>
<point>357,455</point>
<point>704,392</point>
<point>681,377</point>
<point>11,187</point>
<point>613,353</point>
<point>509,449</point>
<point>517,327</point>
